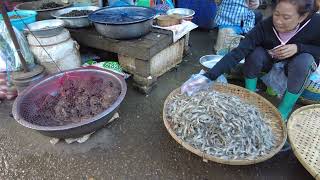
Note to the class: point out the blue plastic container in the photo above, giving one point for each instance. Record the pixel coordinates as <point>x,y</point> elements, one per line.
<point>311,93</point>
<point>27,18</point>
<point>205,11</point>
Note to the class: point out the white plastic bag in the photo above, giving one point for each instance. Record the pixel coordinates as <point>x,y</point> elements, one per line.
<point>8,51</point>
<point>276,78</point>
<point>198,82</point>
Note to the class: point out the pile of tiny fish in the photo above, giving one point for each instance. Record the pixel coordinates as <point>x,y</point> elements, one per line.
<point>220,125</point>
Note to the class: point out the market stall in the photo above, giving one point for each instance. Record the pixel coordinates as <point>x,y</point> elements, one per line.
<point>145,57</point>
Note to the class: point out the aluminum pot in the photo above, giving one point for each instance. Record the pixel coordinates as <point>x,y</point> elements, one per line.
<point>126,22</point>
<point>74,22</point>
<point>127,31</point>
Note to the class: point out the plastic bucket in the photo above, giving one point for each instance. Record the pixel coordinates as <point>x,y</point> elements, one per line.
<point>26,17</point>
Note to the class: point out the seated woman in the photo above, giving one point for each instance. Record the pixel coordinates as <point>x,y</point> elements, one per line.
<point>238,15</point>
<point>291,35</point>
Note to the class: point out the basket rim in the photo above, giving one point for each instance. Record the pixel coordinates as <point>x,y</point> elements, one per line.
<point>291,122</point>
<point>220,160</point>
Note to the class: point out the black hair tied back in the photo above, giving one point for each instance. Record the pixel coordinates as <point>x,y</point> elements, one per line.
<point>304,6</point>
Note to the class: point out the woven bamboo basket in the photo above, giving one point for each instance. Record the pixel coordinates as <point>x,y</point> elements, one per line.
<point>273,119</point>
<point>303,132</point>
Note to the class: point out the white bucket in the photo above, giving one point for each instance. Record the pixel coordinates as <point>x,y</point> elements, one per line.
<point>57,53</point>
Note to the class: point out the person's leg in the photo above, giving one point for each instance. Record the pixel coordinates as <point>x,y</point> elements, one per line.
<point>257,61</point>
<point>258,16</point>
<point>299,69</point>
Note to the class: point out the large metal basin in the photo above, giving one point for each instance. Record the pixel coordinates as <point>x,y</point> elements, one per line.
<point>127,31</point>
<point>126,22</point>
<point>74,22</point>
<point>22,107</point>
<point>43,14</point>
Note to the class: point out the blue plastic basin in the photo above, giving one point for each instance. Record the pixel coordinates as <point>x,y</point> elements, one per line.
<point>27,17</point>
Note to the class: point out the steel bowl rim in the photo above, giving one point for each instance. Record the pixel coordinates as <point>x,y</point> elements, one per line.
<point>127,23</point>
<point>202,59</point>
<point>42,10</point>
<point>106,24</point>
<point>47,29</point>
<point>54,14</point>
<point>184,16</point>
<point>98,117</point>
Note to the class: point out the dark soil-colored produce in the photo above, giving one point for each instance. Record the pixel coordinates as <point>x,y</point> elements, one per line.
<point>75,101</point>
<point>75,13</point>
<point>50,5</point>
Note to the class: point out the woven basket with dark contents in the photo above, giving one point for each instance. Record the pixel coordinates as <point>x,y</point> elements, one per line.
<point>303,132</point>
<point>272,118</point>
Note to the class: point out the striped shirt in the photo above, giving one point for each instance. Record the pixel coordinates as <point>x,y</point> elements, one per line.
<point>235,13</point>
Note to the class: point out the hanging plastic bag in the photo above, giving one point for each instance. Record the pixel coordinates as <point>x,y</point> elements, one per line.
<point>3,61</point>
<point>198,82</point>
<point>276,78</point>
<point>8,51</point>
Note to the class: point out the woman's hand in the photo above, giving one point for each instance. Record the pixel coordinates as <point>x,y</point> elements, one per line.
<point>285,51</point>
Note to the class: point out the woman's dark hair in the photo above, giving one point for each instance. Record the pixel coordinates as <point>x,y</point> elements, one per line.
<point>304,6</point>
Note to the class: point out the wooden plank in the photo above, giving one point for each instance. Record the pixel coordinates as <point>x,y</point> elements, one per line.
<point>143,48</point>
<point>162,31</point>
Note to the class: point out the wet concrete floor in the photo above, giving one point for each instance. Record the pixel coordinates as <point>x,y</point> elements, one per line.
<point>136,146</point>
